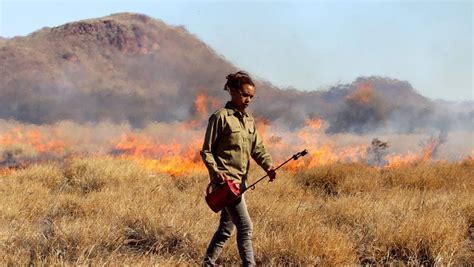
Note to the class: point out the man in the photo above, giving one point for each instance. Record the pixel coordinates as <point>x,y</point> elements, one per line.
<point>231,140</point>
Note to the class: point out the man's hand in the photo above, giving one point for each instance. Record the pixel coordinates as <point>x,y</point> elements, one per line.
<point>271,173</point>
<point>219,177</point>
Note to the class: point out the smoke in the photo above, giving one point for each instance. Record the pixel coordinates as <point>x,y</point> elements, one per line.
<point>363,110</point>
<point>431,146</point>
<point>353,115</point>
<point>129,80</point>
<point>132,69</point>
<point>376,153</point>
<point>175,146</point>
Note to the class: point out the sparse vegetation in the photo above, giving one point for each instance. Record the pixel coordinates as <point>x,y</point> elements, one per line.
<point>110,211</point>
<point>140,91</point>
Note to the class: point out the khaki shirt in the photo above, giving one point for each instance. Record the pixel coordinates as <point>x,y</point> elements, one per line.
<point>231,139</point>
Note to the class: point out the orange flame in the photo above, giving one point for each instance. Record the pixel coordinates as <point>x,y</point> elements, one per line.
<point>35,142</point>
<point>425,155</point>
<point>399,160</point>
<point>363,94</point>
<point>200,104</point>
<point>310,137</point>
<point>6,171</point>
<point>172,158</point>
<point>34,138</point>
<point>179,157</point>
<point>314,124</point>
<point>429,149</point>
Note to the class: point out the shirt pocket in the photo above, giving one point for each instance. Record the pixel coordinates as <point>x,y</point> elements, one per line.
<point>250,131</point>
<point>232,135</point>
<point>252,128</point>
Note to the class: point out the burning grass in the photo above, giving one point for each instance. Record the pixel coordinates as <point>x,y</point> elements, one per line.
<point>106,210</point>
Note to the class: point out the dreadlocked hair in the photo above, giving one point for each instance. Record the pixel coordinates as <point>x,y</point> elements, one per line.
<point>237,80</point>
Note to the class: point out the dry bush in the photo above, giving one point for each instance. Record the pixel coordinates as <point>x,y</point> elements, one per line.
<point>145,236</point>
<point>109,211</point>
<point>48,175</point>
<point>88,175</point>
<point>289,231</point>
<point>338,178</point>
<point>411,227</point>
<point>431,176</point>
<point>14,154</point>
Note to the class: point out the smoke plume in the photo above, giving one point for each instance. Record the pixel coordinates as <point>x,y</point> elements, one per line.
<point>129,79</point>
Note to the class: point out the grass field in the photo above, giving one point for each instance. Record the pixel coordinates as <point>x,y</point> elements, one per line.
<point>112,211</point>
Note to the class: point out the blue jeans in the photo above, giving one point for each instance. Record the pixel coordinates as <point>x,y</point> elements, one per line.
<point>237,215</point>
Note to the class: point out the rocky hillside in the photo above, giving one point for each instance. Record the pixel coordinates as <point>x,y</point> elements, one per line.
<point>132,68</point>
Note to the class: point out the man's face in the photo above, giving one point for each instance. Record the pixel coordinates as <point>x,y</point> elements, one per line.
<point>242,98</point>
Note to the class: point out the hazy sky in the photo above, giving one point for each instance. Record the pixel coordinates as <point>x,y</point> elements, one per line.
<point>308,45</point>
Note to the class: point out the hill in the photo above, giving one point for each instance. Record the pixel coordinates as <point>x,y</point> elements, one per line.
<point>133,68</point>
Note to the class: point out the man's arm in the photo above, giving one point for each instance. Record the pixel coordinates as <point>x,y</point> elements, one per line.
<point>259,153</point>
<point>212,132</point>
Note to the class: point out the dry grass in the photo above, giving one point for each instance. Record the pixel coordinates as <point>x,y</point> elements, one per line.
<point>113,212</point>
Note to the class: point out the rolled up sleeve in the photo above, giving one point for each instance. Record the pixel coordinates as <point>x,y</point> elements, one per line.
<point>210,138</point>
<point>260,154</point>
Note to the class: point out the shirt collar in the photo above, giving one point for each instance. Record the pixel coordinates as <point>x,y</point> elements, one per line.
<point>231,109</point>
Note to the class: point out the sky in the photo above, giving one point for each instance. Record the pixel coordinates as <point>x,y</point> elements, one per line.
<point>307,45</point>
